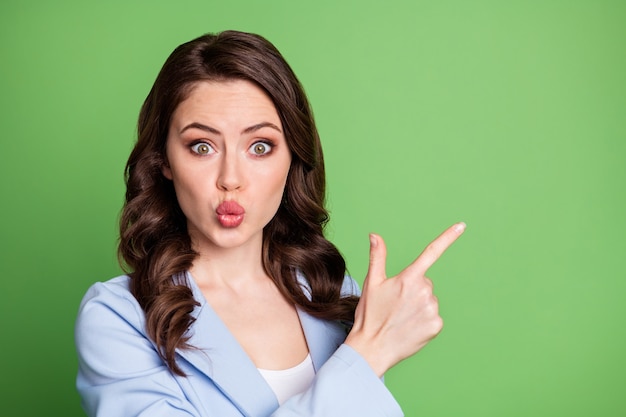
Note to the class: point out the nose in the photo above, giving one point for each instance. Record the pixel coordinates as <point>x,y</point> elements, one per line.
<point>230,176</point>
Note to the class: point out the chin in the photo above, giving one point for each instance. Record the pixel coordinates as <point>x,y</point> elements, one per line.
<point>232,238</point>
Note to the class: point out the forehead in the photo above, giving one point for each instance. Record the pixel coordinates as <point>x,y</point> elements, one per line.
<point>226,100</point>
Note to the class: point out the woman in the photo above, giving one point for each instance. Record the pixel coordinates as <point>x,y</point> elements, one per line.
<point>235,303</point>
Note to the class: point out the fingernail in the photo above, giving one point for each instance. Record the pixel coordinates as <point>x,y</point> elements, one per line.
<point>373,240</point>
<point>460,227</point>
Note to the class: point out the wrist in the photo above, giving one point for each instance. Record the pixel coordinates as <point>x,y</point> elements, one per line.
<point>368,351</point>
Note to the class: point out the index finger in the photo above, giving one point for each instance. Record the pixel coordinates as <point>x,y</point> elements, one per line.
<point>436,248</point>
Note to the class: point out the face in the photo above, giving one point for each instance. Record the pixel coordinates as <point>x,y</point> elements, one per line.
<point>228,160</point>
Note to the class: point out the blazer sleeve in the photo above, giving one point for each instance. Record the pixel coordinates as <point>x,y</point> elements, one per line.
<point>120,373</point>
<point>345,386</point>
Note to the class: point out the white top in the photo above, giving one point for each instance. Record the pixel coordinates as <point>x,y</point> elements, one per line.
<point>288,382</point>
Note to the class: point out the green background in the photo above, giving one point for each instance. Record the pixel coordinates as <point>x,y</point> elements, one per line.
<point>508,115</point>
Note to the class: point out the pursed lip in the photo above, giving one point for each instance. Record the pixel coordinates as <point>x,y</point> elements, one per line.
<point>230,213</point>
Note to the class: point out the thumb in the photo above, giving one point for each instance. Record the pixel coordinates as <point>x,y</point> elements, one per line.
<point>378,258</point>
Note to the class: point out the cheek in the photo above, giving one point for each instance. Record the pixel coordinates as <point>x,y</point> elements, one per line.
<point>281,180</point>
<point>190,192</point>
<point>272,192</point>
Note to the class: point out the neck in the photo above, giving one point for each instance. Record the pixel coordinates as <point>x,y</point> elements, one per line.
<point>216,267</point>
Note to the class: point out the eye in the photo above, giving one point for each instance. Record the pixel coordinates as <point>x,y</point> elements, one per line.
<point>260,148</point>
<point>201,148</point>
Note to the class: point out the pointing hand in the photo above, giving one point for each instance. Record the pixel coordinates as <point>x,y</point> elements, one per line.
<point>398,316</point>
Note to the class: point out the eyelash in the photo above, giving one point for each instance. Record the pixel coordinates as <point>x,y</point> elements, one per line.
<point>266,142</point>
<point>194,145</point>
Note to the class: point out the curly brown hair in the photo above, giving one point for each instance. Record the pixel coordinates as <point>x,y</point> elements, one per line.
<point>155,248</point>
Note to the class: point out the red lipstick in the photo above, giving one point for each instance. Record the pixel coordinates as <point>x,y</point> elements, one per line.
<point>230,213</point>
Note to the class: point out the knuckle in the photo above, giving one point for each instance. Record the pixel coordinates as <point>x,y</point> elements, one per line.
<point>428,255</point>
<point>426,293</point>
<point>407,285</point>
<point>437,324</point>
<point>432,307</point>
<point>432,249</point>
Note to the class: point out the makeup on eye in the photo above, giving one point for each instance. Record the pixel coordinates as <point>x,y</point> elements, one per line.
<point>201,148</point>
<point>261,147</point>
<point>258,148</point>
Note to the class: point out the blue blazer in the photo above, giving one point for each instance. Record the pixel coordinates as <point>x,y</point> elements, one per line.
<point>120,373</point>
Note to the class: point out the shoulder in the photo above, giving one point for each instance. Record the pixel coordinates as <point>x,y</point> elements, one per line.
<point>349,286</point>
<point>113,294</point>
<point>108,314</point>
<point>111,321</point>
<point>120,371</point>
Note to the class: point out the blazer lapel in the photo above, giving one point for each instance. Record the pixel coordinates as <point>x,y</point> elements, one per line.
<point>323,337</point>
<point>217,354</point>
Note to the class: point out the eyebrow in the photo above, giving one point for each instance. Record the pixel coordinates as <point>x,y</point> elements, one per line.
<point>250,129</point>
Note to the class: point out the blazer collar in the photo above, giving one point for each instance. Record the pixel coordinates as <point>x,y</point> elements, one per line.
<point>217,354</point>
